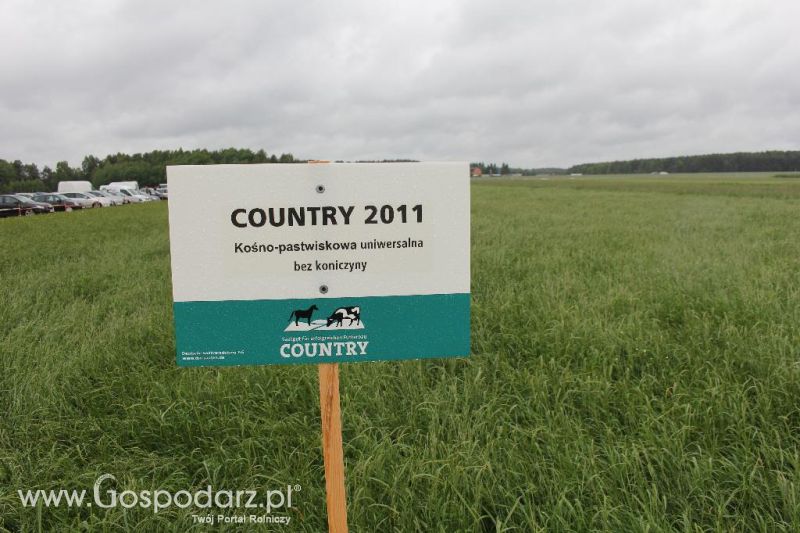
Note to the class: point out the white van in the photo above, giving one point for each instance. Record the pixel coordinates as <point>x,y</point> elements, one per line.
<point>74,186</point>
<point>117,185</point>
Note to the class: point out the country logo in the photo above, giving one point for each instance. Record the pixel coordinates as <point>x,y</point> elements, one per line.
<point>312,319</point>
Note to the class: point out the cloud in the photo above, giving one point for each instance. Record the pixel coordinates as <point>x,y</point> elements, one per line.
<point>531,83</point>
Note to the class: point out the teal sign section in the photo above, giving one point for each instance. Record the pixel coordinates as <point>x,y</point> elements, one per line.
<point>323,330</point>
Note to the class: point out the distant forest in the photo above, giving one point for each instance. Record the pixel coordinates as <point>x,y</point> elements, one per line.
<point>786,161</point>
<point>503,169</point>
<point>149,169</point>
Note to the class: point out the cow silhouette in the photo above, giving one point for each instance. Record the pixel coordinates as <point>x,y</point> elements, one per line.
<point>353,314</point>
<point>297,314</point>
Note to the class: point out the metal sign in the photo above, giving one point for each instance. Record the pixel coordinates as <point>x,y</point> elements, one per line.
<point>286,264</point>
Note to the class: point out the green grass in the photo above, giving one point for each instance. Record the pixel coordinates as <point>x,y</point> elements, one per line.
<point>636,367</point>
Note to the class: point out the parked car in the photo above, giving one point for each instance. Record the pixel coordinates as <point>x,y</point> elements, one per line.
<point>119,196</point>
<point>146,195</point>
<point>133,195</point>
<point>86,200</point>
<point>58,201</point>
<point>113,200</point>
<point>152,193</point>
<point>13,206</point>
<point>39,207</point>
<point>104,202</point>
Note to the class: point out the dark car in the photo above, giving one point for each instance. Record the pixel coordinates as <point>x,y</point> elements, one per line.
<point>14,206</point>
<point>58,201</point>
<point>11,207</point>
<point>38,207</point>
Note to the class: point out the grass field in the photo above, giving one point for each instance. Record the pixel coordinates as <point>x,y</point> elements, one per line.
<point>636,367</point>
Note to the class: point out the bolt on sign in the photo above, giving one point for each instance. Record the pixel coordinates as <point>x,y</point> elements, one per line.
<point>288,264</point>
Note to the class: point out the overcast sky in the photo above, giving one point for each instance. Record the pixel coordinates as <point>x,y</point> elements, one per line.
<point>533,83</point>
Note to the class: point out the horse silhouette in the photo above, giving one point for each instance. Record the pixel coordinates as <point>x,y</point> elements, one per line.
<point>297,314</point>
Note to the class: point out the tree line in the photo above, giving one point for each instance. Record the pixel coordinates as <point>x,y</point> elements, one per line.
<point>149,168</point>
<point>492,169</point>
<point>769,161</point>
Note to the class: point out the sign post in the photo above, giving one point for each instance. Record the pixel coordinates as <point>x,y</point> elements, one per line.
<point>292,264</point>
<point>332,446</point>
<point>332,452</point>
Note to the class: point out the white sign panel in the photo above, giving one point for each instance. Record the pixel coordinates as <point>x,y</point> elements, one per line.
<point>302,263</point>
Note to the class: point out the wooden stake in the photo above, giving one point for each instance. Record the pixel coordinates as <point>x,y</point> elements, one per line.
<point>332,447</point>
